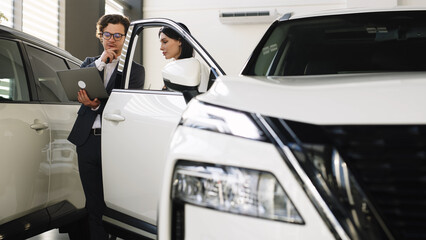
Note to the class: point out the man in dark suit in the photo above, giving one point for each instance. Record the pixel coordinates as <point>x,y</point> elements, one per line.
<point>86,132</point>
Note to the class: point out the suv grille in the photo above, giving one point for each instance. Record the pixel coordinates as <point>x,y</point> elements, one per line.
<point>389,162</point>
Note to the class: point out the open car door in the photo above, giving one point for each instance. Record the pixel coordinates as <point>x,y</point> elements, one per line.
<point>137,126</point>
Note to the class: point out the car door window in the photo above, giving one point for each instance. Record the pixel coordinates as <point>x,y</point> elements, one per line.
<point>13,81</point>
<point>44,66</point>
<point>153,67</point>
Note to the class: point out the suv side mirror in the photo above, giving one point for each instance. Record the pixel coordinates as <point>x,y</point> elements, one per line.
<point>183,76</point>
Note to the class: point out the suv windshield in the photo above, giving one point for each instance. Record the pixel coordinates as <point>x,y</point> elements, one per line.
<point>339,44</point>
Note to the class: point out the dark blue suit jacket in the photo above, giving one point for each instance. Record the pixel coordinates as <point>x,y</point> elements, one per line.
<point>86,116</point>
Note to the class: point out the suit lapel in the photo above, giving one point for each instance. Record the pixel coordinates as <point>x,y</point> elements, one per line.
<point>102,75</point>
<point>111,82</point>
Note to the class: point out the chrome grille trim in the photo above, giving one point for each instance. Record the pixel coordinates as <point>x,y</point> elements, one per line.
<point>306,181</point>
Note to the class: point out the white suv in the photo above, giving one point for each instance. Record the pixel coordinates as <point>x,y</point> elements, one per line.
<point>40,188</point>
<point>323,136</point>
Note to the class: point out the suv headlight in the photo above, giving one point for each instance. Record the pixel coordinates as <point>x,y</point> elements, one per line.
<point>222,120</point>
<point>235,190</point>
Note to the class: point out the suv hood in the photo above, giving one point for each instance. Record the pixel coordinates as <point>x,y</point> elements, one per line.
<point>380,98</point>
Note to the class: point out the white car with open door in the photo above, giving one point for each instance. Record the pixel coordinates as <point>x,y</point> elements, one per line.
<point>323,136</point>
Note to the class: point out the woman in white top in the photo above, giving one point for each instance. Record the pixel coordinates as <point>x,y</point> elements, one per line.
<point>173,46</point>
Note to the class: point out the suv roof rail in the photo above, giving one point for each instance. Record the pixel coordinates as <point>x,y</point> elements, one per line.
<point>286,17</point>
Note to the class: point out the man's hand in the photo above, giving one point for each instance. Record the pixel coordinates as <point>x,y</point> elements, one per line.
<point>85,100</point>
<point>110,54</point>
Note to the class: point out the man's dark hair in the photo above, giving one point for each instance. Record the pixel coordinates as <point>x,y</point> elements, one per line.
<point>187,49</point>
<point>113,19</point>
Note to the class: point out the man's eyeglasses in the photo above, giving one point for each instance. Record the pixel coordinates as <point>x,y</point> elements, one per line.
<point>107,36</point>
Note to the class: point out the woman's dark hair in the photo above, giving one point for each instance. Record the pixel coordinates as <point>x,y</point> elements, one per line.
<point>113,19</point>
<point>187,49</point>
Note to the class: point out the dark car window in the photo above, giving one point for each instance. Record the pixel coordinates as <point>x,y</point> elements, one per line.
<point>343,44</point>
<point>13,81</point>
<point>44,66</point>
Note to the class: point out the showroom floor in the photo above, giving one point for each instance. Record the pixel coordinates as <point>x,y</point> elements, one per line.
<point>53,235</point>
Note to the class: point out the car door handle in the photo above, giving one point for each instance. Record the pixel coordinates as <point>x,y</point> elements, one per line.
<point>114,117</point>
<point>39,126</point>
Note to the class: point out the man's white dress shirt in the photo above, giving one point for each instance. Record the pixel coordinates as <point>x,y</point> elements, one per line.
<point>108,70</point>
